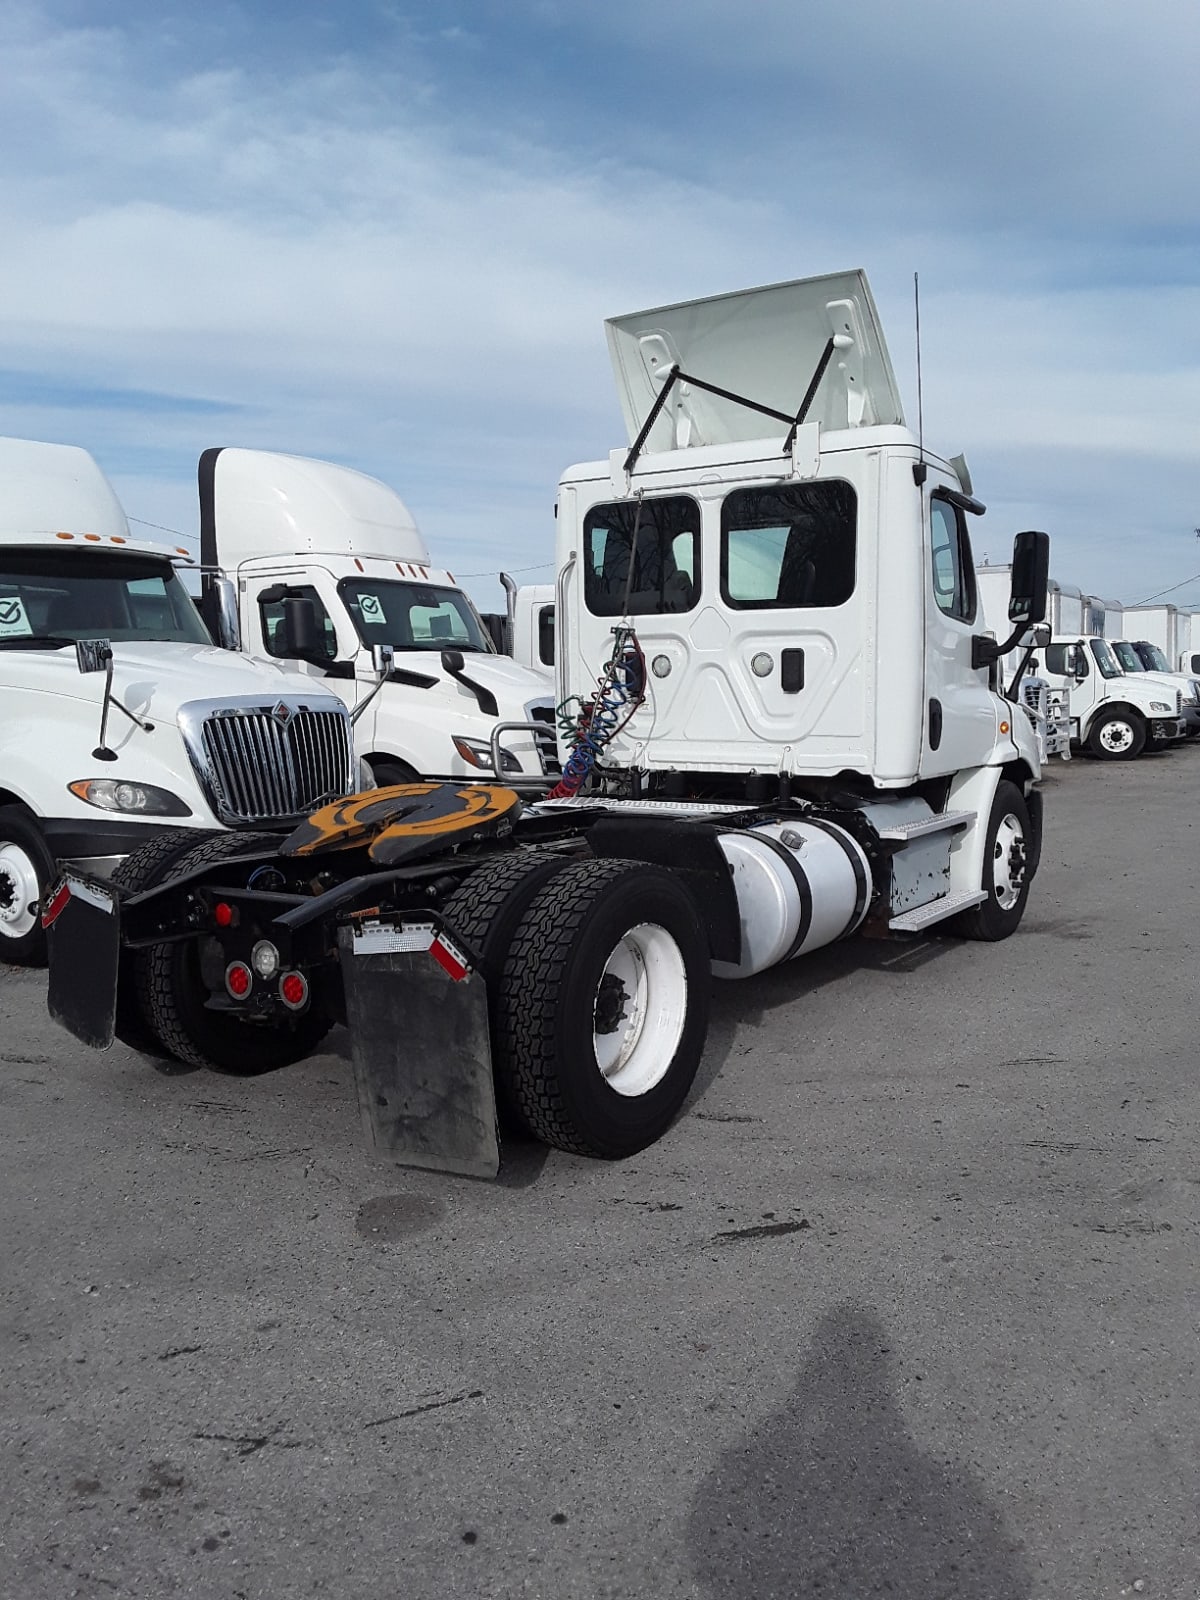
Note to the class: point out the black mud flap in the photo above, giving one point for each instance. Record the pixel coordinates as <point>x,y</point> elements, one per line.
<point>418,1018</point>
<point>82,920</point>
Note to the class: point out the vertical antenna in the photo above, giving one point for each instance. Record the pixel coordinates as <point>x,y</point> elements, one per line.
<point>919,471</point>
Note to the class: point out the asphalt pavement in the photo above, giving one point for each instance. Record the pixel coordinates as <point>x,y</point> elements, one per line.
<point>905,1304</point>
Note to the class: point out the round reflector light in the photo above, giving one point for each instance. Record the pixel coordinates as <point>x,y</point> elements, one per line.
<point>264,958</point>
<point>223,914</point>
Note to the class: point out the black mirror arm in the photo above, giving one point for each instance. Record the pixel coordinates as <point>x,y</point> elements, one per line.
<point>984,651</point>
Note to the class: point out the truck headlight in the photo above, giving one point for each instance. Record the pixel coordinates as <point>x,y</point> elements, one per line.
<point>137,799</point>
<point>1159,705</point>
<point>366,776</point>
<point>477,754</point>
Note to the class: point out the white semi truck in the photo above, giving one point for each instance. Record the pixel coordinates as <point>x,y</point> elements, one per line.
<point>323,567</point>
<point>118,718</point>
<point>786,729</point>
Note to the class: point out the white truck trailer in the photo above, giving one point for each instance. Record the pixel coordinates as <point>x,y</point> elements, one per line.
<point>118,718</point>
<point>787,729</point>
<point>323,567</point>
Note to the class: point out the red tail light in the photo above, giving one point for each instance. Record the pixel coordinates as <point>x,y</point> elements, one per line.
<point>239,980</point>
<point>293,990</point>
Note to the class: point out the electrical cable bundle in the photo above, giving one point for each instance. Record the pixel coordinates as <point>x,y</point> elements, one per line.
<point>620,690</point>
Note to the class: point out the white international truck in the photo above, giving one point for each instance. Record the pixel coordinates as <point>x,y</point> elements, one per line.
<point>323,567</point>
<point>786,729</point>
<point>1112,714</point>
<point>118,717</point>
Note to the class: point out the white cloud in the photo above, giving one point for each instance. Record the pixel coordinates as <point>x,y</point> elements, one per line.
<point>354,273</point>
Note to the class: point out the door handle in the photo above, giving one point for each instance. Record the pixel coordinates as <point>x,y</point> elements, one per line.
<point>791,671</point>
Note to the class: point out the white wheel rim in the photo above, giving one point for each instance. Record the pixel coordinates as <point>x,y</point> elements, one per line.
<point>639,1010</point>
<point>1116,736</point>
<point>1008,865</point>
<point>19,892</point>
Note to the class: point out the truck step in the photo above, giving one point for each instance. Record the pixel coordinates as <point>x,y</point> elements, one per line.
<point>937,911</point>
<point>903,832</point>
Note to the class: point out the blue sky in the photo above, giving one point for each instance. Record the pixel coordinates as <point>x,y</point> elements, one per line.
<point>387,234</point>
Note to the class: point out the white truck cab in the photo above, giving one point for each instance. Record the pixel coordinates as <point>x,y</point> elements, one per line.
<point>1140,656</point>
<point>1115,714</point>
<point>118,716</point>
<point>782,588</point>
<point>315,564</point>
<point>526,631</point>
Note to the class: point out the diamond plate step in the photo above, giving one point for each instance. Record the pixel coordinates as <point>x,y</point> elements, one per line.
<point>902,832</point>
<point>937,910</point>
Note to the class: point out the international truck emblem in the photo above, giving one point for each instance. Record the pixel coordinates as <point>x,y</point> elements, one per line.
<point>282,713</point>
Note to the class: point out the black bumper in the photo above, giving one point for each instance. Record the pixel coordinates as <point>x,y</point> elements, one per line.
<point>71,839</point>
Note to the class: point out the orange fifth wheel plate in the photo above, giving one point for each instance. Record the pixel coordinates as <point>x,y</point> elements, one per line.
<point>406,815</point>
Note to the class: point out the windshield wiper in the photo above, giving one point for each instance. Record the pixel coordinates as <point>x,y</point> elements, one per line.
<point>37,641</point>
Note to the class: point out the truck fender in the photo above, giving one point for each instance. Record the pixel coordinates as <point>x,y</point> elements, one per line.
<point>971,790</point>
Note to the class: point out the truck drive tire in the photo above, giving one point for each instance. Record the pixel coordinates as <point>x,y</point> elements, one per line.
<point>602,1015</point>
<point>1006,872</point>
<point>141,869</point>
<point>1117,735</point>
<point>486,910</point>
<point>26,872</point>
<point>171,992</point>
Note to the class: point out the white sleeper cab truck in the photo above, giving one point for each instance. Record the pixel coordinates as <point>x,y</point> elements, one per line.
<point>324,567</point>
<point>120,723</point>
<point>1114,714</point>
<point>785,728</point>
<point>1140,656</point>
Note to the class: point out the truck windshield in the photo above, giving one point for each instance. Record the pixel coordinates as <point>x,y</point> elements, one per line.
<point>1109,666</point>
<point>1152,657</point>
<point>1127,656</point>
<point>413,616</point>
<point>50,598</point>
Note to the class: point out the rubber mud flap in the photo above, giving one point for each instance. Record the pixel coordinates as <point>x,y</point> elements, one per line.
<point>422,1053</point>
<point>83,929</point>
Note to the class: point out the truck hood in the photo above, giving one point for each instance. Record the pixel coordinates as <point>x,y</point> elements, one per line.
<point>155,679</point>
<point>514,686</point>
<point>763,344</point>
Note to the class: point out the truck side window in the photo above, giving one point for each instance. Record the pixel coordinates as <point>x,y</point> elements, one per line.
<point>272,620</point>
<point>953,567</point>
<point>665,557</point>
<point>788,546</point>
<point>1061,660</point>
<point>546,636</point>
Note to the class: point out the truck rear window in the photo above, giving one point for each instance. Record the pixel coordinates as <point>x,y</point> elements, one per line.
<point>642,563</point>
<point>788,546</point>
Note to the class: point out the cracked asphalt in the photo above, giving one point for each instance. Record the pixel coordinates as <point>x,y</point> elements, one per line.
<point>905,1304</point>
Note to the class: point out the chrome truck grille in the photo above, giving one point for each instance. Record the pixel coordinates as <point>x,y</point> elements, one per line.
<point>268,763</point>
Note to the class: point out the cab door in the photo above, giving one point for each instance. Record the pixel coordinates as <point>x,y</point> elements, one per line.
<point>960,708</point>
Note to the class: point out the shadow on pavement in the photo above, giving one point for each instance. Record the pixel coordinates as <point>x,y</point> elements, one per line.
<point>831,1498</point>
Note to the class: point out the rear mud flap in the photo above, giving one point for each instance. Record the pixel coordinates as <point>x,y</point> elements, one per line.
<point>421,1051</point>
<point>83,932</point>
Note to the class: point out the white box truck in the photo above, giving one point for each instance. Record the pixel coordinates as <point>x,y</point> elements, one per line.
<point>786,729</point>
<point>323,567</point>
<point>1113,715</point>
<point>119,720</point>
